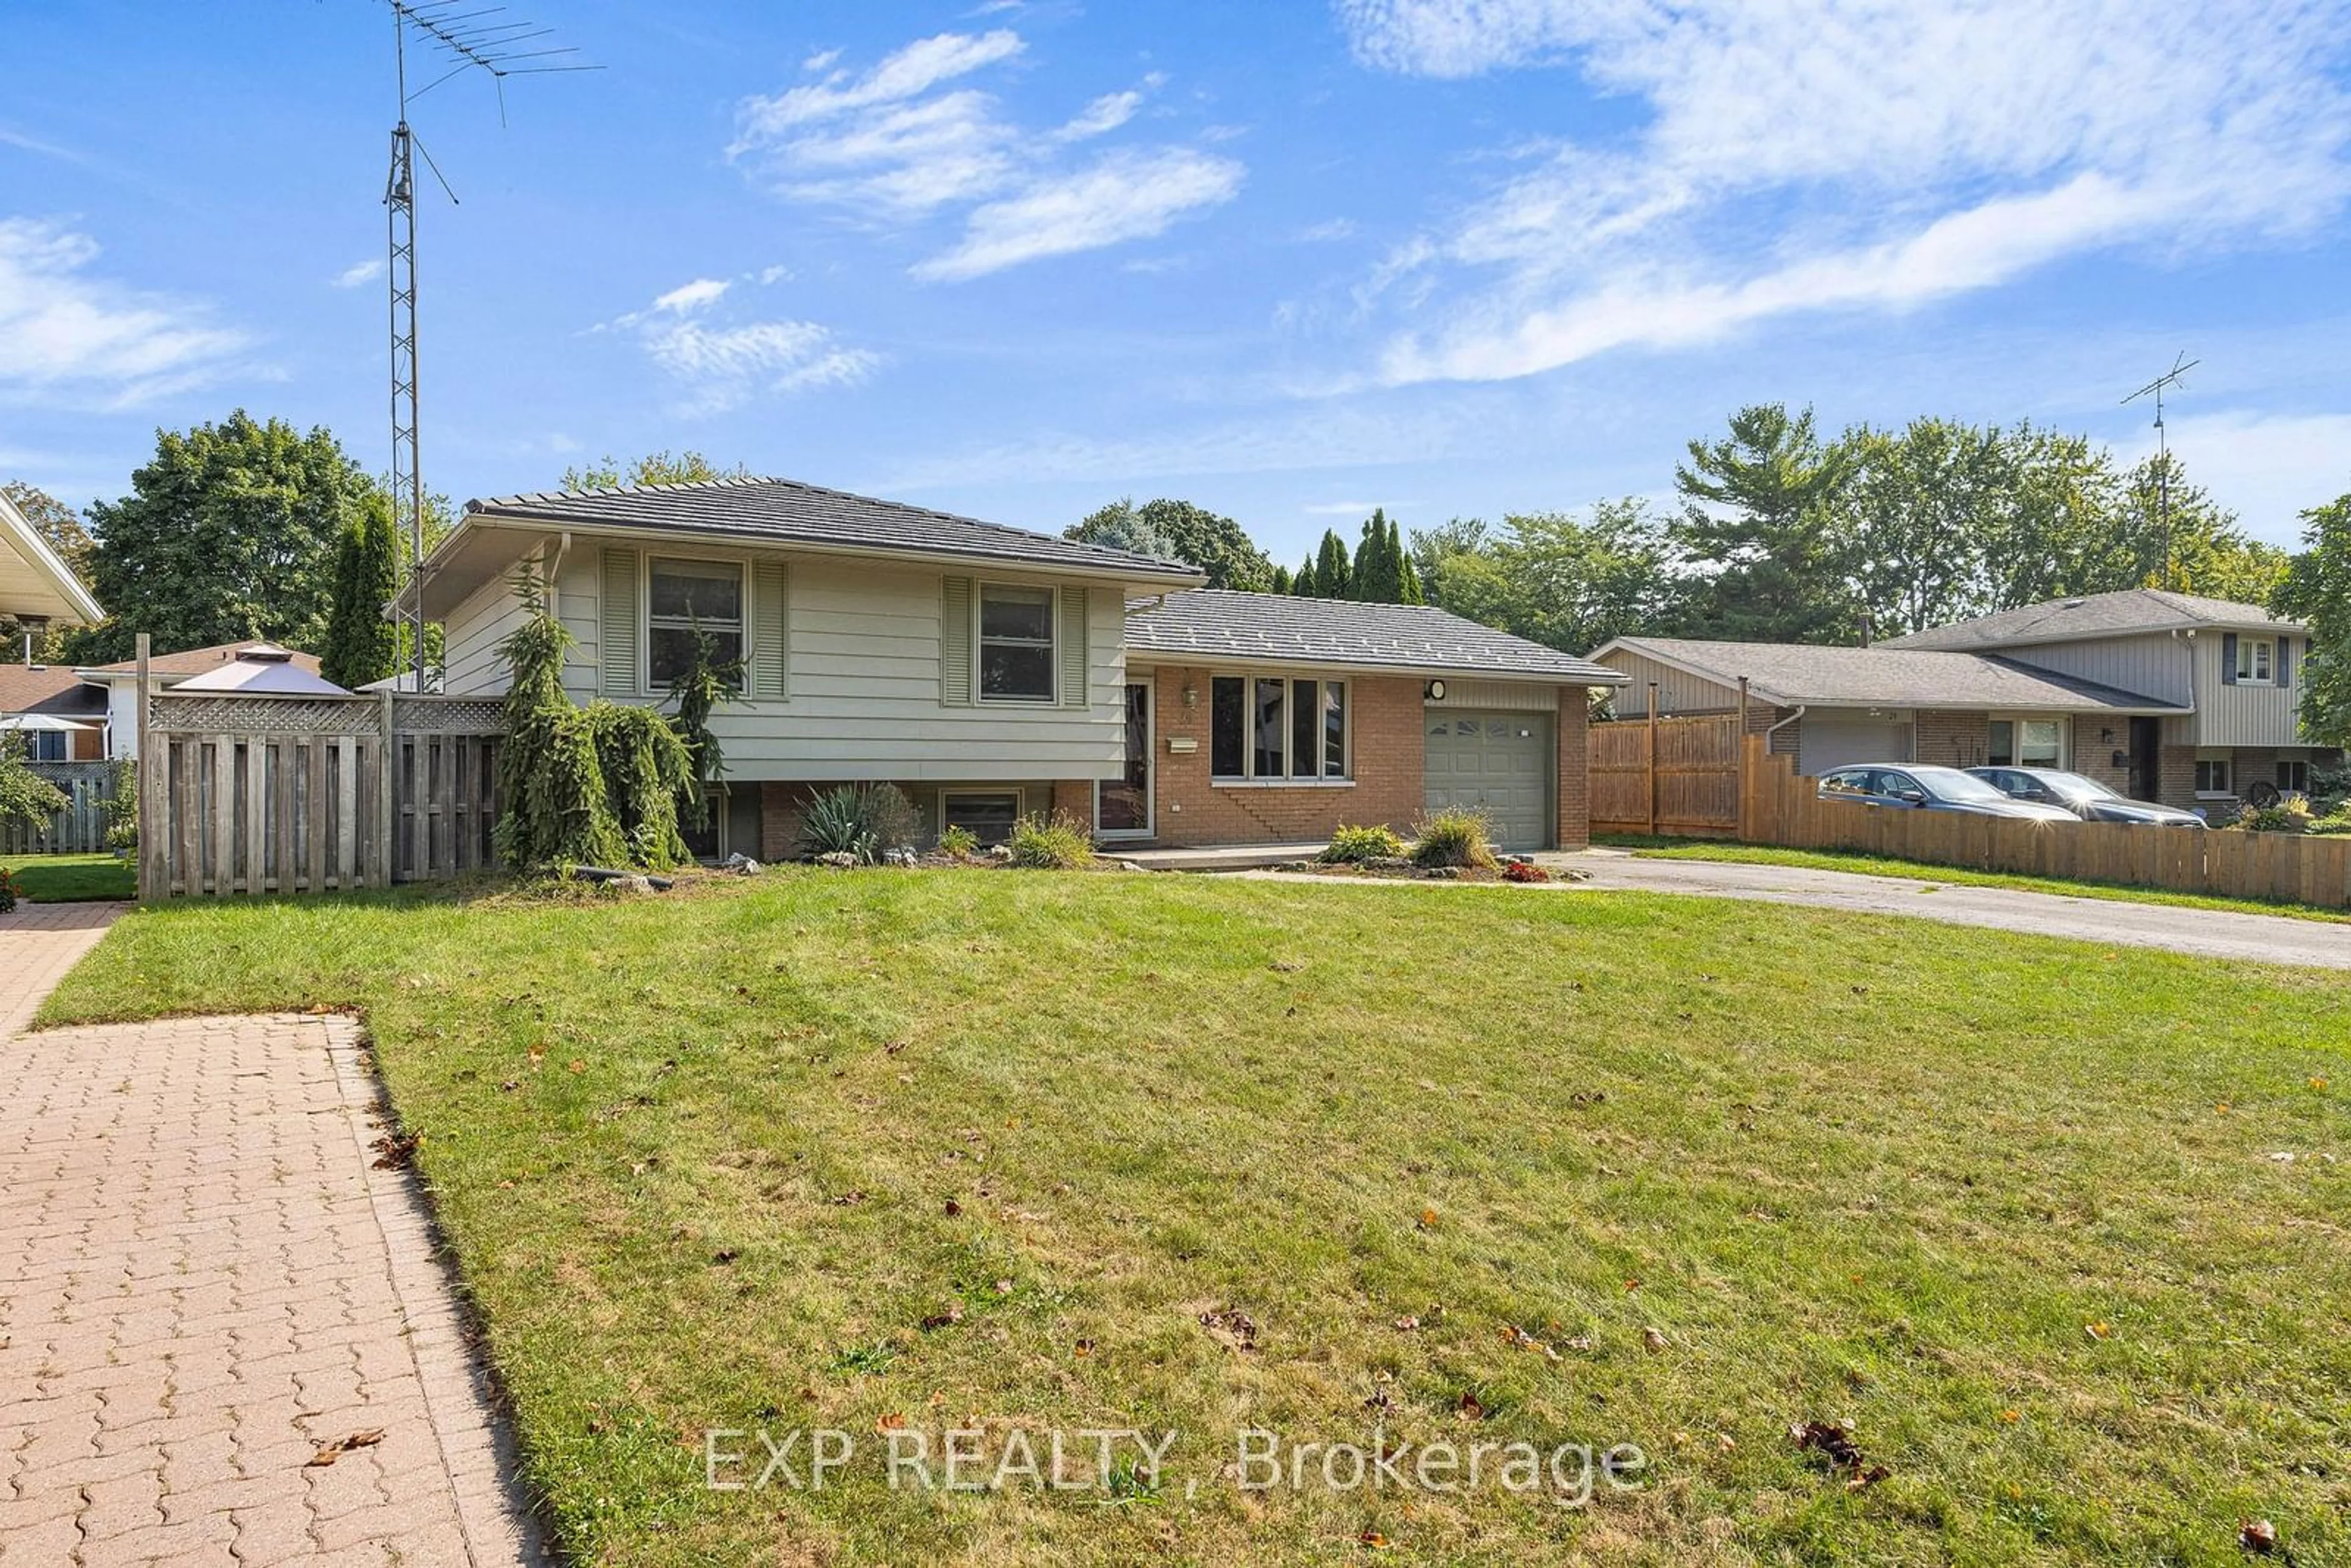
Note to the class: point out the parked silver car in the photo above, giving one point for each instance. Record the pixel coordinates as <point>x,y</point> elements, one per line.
<point>2086,797</point>
<point>1922,787</point>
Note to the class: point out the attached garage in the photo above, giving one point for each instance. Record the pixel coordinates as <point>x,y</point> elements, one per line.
<point>1496,763</point>
<point>1830,739</point>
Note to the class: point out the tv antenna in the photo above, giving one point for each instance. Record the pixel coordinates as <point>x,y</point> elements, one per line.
<point>2174,377</point>
<point>461,37</point>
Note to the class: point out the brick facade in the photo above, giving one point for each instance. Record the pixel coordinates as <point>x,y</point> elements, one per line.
<point>1949,739</point>
<point>1191,812</point>
<point>1573,799</point>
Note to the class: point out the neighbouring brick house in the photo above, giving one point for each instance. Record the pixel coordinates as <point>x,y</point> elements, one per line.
<point>991,672</point>
<point>2163,696</point>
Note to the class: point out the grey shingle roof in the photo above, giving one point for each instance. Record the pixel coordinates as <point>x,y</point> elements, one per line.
<point>787,511</point>
<point>2091,615</point>
<point>1223,625</point>
<point>1786,675</point>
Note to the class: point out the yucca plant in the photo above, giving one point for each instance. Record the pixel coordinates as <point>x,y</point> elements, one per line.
<point>836,823</point>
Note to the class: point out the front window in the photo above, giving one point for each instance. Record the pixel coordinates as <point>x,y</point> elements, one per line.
<point>2212,776</point>
<point>687,597</point>
<point>2293,776</point>
<point>2027,743</point>
<point>986,814</point>
<point>1269,727</point>
<point>2253,656</point>
<point>1016,644</point>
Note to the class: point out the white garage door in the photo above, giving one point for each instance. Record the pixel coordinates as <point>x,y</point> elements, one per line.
<point>1497,763</point>
<point>1830,741</point>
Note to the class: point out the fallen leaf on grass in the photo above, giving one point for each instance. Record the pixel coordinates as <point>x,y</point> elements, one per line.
<point>953,1208</point>
<point>575,1065</point>
<point>1828,1437</point>
<point>1427,1221</point>
<point>893,1422</point>
<point>2258,1536</point>
<point>1231,1327</point>
<point>1472,1407</point>
<point>1003,1287</point>
<point>1084,1347</point>
<point>1863,1480</point>
<point>1374,1540</point>
<point>725,1255</point>
<point>2097,1331</point>
<point>1406,1325</point>
<point>954,1314</point>
<point>2011,1416</point>
<point>330,1452</point>
<point>855,1195</point>
<point>1652,1341</point>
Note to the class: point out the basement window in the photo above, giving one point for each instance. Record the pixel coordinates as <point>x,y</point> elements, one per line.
<point>986,814</point>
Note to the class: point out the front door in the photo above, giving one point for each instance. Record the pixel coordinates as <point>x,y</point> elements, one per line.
<point>1122,805</point>
<point>2146,759</point>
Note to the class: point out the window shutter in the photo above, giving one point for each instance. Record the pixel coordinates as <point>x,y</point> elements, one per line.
<point>2228,658</point>
<point>768,647</point>
<point>2285,661</point>
<point>1075,635</point>
<point>618,639</point>
<point>955,641</point>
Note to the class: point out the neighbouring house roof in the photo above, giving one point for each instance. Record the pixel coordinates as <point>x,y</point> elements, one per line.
<point>49,688</point>
<point>262,670</point>
<point>1794,674</point>
<point>1224,626</point>
<point>34,583</point>
<point>2133,611</point>
<point>787,512</point>
<point>173,667</point>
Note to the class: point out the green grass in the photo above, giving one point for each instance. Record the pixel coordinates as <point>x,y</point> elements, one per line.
<point>73,879</point>
<point>694,1153</point>
<point>1647,848</point>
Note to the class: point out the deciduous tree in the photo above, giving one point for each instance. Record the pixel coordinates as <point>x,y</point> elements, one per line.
<point>2317,591</point>
<point>229,533</point>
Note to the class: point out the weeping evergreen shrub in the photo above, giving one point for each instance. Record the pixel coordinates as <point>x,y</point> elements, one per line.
<point>646,768</point>
<point>557,810</point>
<point>705,683</point>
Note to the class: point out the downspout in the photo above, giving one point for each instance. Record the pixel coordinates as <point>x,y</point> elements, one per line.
<point>1773,729</point>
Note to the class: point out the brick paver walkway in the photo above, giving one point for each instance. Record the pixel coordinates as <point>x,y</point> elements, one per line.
<point>203,1280</point>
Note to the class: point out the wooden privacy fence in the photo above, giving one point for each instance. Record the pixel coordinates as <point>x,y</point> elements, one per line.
<point>1676,776</point>
<point>261,794</point>
<point>1779,806</point>
<point>80,827</point>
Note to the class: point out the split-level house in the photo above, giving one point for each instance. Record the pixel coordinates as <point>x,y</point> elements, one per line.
<point>992,672</point>
<point>2163,696</point>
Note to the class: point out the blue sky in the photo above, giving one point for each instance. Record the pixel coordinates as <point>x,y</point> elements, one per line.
<point>1454,257</point>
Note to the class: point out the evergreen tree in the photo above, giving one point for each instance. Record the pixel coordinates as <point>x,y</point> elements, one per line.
<point>1282,583</point>
<point>1334,574</point>
<point>361,645</point>
<point>1763,510</point>
<point>1303,585</point>
<point>1376,579</point>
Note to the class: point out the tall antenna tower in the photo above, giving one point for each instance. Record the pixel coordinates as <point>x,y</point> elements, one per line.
<point>2174,377</point>
<point>461,39</point>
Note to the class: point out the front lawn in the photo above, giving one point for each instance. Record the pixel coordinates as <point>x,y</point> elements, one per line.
<point>1645,847</point>
<point>72,879</point>
<point>1460,1164</point>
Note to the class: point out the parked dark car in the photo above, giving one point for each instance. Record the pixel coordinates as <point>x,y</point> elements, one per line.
<point>1922,787</point>
<point>2086,797</point>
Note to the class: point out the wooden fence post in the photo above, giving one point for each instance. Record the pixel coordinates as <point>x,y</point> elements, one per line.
<point>152,873</point>
<point>387,834</point>
<point>1653,756</point>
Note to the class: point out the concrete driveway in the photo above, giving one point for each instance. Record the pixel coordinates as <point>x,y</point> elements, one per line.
<point>2204,933</point>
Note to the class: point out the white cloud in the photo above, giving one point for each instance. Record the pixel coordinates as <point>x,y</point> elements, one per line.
<point>1104,114</point>
<point>65,330</point>
<point>688,298</point>
<point>1823,154</point>
<point>359,272</point>
<point>910,137</point>
<point>1123,196</point>
<point>718,365</point>
<point>822,60</point>
<point>1341,508</point>
<point>1326,232</point>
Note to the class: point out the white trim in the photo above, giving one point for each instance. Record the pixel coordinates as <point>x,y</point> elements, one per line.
<point>1150,828</point>
<point>1052,697</point>
<point>1248,778</point>
<point>45,562</point>
<point>742,565</point>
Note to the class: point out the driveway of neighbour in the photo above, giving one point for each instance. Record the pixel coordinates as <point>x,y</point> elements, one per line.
<point>2204,933</point>
<point>206,1284</point>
